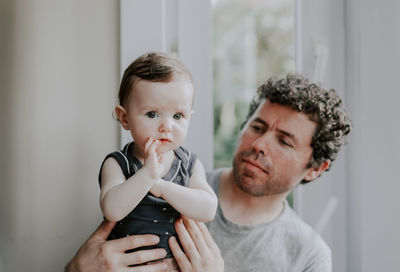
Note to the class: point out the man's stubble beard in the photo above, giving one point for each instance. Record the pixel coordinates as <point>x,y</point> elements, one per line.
<point>257,188</point>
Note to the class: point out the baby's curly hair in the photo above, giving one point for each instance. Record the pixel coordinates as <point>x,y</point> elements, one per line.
<point>322,106</point>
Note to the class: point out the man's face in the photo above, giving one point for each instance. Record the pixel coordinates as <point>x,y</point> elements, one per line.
<point>273,150</point>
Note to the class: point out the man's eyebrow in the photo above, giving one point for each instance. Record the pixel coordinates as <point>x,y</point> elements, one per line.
<point>259,120</point>
<point>284,132</point>
<point>288,134</point>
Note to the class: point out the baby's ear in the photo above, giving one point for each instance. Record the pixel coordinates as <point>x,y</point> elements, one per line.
<point>122,116</point>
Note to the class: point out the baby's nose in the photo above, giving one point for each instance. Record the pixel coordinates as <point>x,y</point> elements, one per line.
<point>165,126</point>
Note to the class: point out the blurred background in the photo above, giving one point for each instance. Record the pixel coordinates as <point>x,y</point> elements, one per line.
<point>60,66</point>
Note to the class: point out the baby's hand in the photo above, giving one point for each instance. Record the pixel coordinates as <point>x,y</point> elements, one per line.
<point>153,160</point>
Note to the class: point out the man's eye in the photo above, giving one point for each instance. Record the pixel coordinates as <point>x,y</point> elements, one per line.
<point>256,128</point>
<point>284,142</point>
<point>152,114</point>
<point>178,116</point>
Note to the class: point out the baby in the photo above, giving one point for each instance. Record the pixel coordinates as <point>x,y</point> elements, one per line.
<point>153,180</point>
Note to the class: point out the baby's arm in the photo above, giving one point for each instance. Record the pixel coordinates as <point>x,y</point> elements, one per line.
<point>119,196</point>
<point>198,201</point>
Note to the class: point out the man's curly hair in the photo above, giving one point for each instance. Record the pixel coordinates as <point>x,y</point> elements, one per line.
<point>323,107</point>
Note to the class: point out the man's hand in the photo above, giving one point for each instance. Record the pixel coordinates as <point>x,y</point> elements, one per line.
<point>202,254</point>
<point>99,255</point>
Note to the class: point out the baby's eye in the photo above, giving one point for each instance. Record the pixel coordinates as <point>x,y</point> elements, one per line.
<point>152,114</point>
<point>178,116</point>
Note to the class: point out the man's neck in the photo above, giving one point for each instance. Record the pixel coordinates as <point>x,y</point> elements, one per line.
<point>244,209</point>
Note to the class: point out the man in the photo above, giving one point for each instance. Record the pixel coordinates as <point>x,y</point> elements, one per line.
<point>292,134</point>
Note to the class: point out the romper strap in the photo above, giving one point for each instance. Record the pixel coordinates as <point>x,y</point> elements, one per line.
<point>122,162</point>
<point>188,158</point>
<point>192,162</point>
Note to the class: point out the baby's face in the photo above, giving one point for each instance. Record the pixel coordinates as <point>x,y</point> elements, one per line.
<point>160,111</point>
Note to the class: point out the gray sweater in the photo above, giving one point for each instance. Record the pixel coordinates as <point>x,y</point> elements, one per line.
<point>285,244</point>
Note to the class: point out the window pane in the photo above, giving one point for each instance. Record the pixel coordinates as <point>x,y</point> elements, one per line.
<point>252,40</point>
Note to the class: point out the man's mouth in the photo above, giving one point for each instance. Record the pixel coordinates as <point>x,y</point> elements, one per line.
<point>255,164</point>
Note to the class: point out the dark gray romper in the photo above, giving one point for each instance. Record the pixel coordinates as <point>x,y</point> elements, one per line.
<point>153,215</point>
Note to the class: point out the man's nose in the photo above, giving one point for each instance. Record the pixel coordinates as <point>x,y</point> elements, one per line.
<point>262,144</point>
<point>165,126</point>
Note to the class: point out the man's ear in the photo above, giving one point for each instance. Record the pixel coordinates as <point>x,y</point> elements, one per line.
<point>313,173</point>
<point>122,116</point>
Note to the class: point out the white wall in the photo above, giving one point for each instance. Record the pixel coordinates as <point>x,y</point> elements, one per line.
<point>373,57</point>
<point>363,40</point>
<point>320,55</point>
<point>59,78</point>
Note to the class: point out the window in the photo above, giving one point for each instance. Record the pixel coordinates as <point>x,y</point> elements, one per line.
<point>252,40</point>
